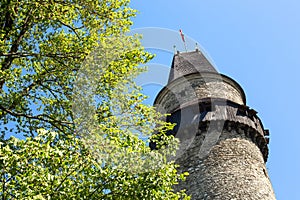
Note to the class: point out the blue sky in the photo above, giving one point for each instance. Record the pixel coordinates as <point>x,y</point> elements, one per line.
<point>258,44</point>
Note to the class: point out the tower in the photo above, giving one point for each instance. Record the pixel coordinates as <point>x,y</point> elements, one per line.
<point>223,144</point>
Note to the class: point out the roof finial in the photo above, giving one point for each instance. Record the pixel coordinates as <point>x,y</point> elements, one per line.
<point>174,49</point>
<point>197,48</point>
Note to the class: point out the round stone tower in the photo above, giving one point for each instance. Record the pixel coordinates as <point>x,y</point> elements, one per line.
<point>223,144</point>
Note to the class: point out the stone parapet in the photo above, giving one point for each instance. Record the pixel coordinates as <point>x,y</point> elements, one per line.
<point>194,87</point>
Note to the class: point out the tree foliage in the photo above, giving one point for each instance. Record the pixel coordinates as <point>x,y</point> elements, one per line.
<point>67,84</point>
<point>47,167</point>
<point>42,45</point>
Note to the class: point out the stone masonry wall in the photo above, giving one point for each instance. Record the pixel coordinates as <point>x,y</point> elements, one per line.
<point>234,168</point>
<point>223,143</point>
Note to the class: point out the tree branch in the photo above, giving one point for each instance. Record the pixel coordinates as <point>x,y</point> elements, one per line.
<point>14,48</point>
<point>41,117</point>
<point>65,178</point>
<point>70,27</point>
<point>24,54</point>
<point>8,60</point>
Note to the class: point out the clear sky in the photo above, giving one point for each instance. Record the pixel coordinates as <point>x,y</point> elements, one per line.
<point>255,42</point>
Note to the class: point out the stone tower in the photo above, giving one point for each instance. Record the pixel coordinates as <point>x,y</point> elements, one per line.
<point>223,144</point>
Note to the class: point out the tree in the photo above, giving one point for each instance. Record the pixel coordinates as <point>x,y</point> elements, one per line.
<point>79,108</point>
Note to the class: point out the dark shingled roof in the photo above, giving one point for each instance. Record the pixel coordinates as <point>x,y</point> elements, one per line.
<point>188,63</point>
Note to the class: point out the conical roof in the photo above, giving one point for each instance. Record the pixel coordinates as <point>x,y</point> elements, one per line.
<point>188,63</point>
